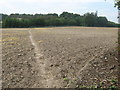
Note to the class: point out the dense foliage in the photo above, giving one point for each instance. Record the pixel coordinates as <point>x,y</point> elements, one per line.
<point>117,4</point>
<point>64,19</point>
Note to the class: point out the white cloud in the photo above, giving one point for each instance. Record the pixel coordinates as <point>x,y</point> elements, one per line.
<point>56,6</point>
<point>50,1</point>
<point>64,1</point>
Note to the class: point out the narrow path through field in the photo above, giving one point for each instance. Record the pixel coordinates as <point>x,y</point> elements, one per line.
<point>97,54</point>
<point>45,78</point>
<point>87,63</point>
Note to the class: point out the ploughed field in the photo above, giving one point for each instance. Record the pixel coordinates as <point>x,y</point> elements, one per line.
<point>60,57</point>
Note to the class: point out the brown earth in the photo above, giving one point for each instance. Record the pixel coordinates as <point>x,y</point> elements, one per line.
<point>59,57</point>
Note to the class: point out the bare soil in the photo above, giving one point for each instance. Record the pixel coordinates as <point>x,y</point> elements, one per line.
<point>62,57</point>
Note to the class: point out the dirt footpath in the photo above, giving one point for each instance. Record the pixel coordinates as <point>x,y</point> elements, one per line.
<point>73,57</point>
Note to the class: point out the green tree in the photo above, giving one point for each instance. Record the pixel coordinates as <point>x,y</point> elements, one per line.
<point>10,22</point>
<point>90,19</point>
<point>102,21</point>
<point>38,22</point>
<point>64,19</point>
<point>117,4</point>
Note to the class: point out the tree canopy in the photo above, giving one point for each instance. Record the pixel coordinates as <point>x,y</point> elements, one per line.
<point>117,4</point>
<point>64,19</point>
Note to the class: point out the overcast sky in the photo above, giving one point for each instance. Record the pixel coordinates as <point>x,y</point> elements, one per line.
<point>104,8</point>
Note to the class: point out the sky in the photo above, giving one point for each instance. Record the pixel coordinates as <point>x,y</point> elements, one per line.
<point>104,7</point>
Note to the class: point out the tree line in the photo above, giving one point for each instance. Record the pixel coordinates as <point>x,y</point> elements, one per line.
<point>64,19</point>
